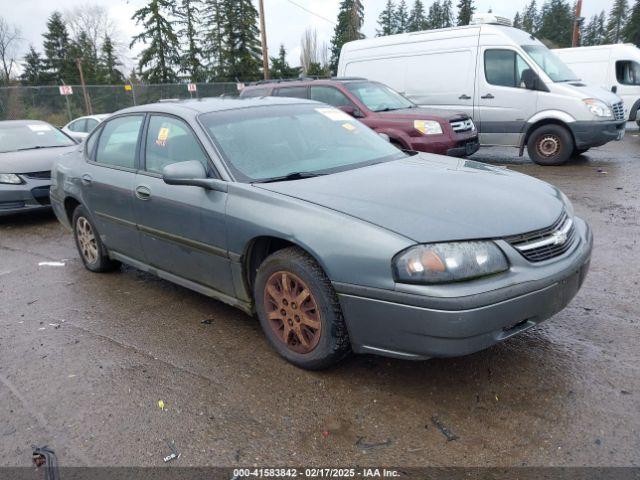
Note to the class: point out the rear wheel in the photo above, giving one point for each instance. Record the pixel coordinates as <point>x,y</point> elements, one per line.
<point>92,251</point>
<point>550,145</point>
<point>299,310</point>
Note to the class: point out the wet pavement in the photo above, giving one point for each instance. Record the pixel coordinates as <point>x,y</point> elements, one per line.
<point>85,358</point>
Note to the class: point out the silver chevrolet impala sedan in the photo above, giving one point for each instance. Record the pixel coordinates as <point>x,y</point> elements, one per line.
<point>295,212</point>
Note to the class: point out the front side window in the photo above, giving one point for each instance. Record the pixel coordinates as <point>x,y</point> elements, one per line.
<point>378,97</point>
<point>295,92</point>
<point>628,72</point>
<point>505,68</point>
<point>170,140</point>
<point>266,142</point>
<point>548,61</point>
<point>330,96</point>
<point>119,140</point>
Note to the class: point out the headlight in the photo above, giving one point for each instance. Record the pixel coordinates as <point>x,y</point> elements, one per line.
<point>428,127</point>
<point>448,262</point>
<point>598,108</point>
<point>568,206</point>
<point>10,178</point>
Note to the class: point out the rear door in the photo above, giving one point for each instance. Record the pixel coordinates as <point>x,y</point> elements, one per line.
<point>182,228</point>
<point>504,105</point>
<point>107,182</point>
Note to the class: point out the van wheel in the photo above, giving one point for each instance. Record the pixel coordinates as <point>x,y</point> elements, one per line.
<point>550,145</point>
<point>91,249</point>
<point>299,311</point>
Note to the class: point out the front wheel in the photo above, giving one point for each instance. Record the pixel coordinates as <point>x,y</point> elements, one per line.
<point>299,311</point>
<point>550,145</point>
<point>91,249</point>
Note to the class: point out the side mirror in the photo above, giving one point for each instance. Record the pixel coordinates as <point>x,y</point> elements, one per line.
<point>191,173</point>
<point>532,81</point>
<point>351,110</point>
<point>614,89</point>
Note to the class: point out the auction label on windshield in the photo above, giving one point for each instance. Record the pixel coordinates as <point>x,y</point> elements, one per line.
<point>315,473</point>
<point>334,114</point>
<point>39,128</point>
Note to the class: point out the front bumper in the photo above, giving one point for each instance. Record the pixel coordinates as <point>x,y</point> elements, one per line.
<point>457,145</point>
<point>415,327</point>
<point>595,134</point>
<point>31,196</point>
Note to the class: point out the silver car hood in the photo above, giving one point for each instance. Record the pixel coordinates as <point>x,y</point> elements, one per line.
<point>28,161</point>
<point>430,198</point>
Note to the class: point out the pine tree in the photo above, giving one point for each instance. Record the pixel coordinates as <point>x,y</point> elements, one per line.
<point>447,14</point>
<point>632,29</point>
<point>434,19</point>
<point>401,17</point>
<point>617,21</point>
<point>531,18</point>
<point>556,23</point>
<point>418,17</point>
<point>280,68</point>
<point>159,61</point>
<point>84,49</point>
<point>241,56</point>
<point>33,68</point>
<point>350,20</point>
<point>188,14</point>
<point>109,63</point>
<point>212,47</point>
<point>517,21</point>
<point>466,9</point>
<point>386,20</point>
<point>58,61</point>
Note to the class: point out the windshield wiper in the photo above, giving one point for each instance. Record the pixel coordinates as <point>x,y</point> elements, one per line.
<point>37,147</point>
<point>387,109</point>
<point>291,176</point>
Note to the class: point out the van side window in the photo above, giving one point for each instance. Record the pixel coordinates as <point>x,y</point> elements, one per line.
<point>295,92</point>
<point>628,72</point>
<point>331,96</point>
<point>504,68</point>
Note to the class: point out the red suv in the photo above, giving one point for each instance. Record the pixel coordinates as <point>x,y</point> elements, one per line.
<point>383,110</point>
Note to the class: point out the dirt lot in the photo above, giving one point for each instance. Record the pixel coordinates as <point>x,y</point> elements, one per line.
<point>85,358</point>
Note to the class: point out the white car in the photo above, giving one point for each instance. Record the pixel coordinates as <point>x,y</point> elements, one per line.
<point>81,127</point>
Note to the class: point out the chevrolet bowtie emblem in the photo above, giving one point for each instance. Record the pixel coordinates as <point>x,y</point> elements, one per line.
<point>559,238</point>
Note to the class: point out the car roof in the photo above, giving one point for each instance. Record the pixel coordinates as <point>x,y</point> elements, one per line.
<point>195,107</point>
<point>303,82</point>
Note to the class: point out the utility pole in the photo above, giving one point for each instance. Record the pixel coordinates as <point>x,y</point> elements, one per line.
<point>87,101</point>
<point>263,37</point>
<point>575,42</point>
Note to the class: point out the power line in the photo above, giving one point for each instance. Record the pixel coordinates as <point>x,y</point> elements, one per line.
<point>312,13</point>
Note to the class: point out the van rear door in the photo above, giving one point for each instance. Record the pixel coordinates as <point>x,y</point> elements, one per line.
<point>504,103</point>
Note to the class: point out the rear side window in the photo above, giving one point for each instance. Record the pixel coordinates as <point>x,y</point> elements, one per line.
<point>170,140</point>
<point>628,72</point>
<point>91,124</point>
<point>91,144</point>
<point>504,68</point>
<point>331,96</point>
<point>295,92</point>
<point>119,140</point>
<point>78,125</point>
<point>255,92</point>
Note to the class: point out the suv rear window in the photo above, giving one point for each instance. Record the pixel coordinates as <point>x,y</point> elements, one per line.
<point>255,92</point>
<point>295,92</point>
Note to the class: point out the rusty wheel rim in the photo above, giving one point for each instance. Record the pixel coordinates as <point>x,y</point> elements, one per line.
<point>292,312</point>
<point>549,145</point>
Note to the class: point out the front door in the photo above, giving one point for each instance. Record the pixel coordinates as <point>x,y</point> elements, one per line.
<point>504,103</point>
<point>170,218</point>
<point>107,181</point>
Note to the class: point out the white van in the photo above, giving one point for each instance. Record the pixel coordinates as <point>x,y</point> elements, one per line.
<point>517,91</point>
<point>613,67</point>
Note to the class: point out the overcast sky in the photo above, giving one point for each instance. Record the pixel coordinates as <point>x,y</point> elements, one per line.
<point>285,21</point>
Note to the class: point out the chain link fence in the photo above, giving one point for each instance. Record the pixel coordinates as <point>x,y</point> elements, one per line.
<point>46,103</point>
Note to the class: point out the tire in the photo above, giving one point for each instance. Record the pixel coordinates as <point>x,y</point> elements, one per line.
<point>303,344</point>
<point>91,249</point>
<point>550,145</point>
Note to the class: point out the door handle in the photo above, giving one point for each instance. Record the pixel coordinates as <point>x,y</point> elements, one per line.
<point>464,96</point>
<point>488,96</point>
<point>142,192</point>
<point>86,179</point>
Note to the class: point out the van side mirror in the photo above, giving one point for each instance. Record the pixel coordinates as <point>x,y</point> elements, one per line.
<point>532,81</point>
<point>191,173</point>
<point>351,110</point>
<point>614,89</point>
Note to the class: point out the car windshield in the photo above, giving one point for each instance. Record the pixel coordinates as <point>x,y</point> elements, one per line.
<point>266,143</point>
<point>29,136</point>
<point>378,97</point>
<point>550,63</point>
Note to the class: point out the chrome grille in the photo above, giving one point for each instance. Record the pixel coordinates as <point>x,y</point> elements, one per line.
<point>618,110</point>
<point>547,243</point>
<point>46,175</point>
<point>459,126</point>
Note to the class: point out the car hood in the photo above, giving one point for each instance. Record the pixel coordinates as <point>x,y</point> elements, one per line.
<point>582,90</point>
<point>422,114</point>
<point>28,161</point>
<point>431,198</point>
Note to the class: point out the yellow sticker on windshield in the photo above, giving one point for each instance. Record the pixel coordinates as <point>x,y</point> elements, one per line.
<point>163,135</point>
<point>349,126</point>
